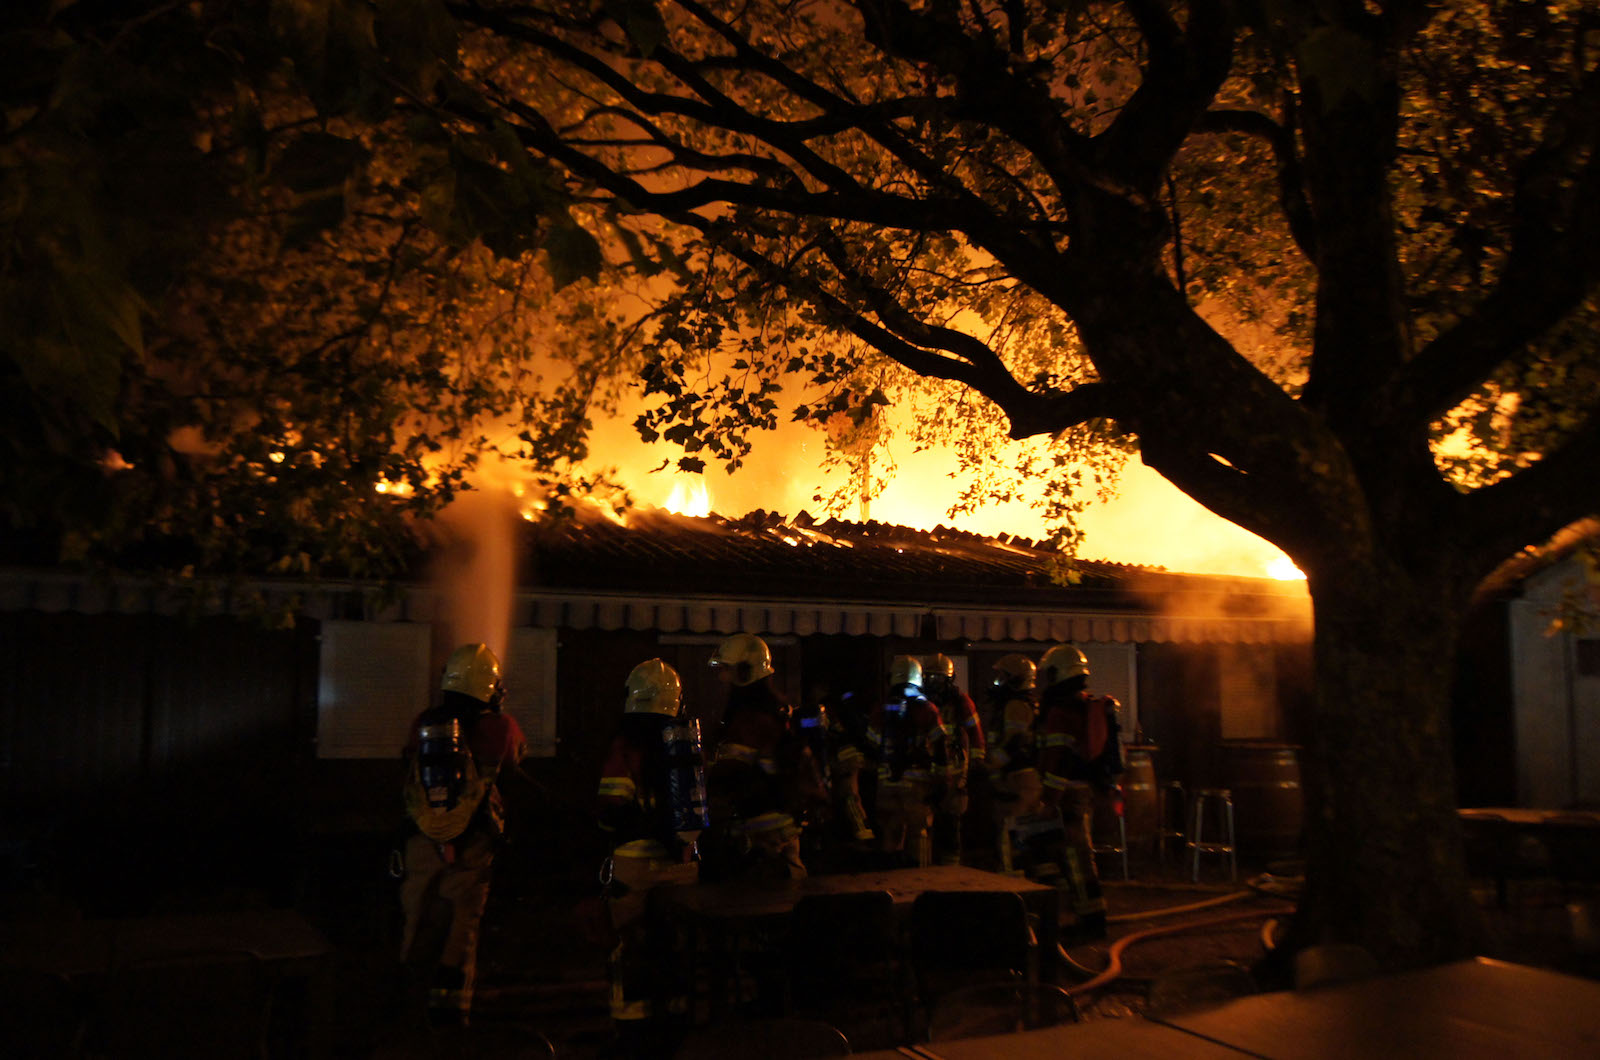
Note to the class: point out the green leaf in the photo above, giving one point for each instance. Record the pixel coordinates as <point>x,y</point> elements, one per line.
<point>641,20</point>
<point>573,254</point>
<point>317,161</point>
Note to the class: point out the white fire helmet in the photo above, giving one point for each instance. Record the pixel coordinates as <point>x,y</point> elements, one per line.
<point>1014,671</point>
<point>746,656</point>
<point>1062,663</point>
<point>905,670</point>
<point>473,670</point>
<point>654,688</point>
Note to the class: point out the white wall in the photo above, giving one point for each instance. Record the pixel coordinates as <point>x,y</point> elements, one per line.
<point>1556,707</point>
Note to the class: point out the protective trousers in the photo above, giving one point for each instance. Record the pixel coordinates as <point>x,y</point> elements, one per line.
<point>847,797</point>
<point>904,817</point>
<point>646,983</point>
<point>947,827</point>
<point>1017,794</point>
<point>443,894</point>
<point>774,839</point>
<point>1068,861</point>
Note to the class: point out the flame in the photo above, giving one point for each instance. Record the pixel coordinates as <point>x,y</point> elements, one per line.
<point>1284,570</point>
<point>690,500</point>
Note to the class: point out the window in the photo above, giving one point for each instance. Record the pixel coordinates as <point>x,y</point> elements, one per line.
<point>1587,652</point>
<point>530,674</point>
<point>1249,689</point>
<point>373,680</point>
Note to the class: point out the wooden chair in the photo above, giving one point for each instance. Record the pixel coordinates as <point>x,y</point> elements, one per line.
<point>843,964</point>
<point>1573,842</point>
<point>1000,1008</point>
<point>480,1041</point>
<point>782,1038</point>
<point>201,1002</point>
<point>42,1015</point>
<point>959,938</point>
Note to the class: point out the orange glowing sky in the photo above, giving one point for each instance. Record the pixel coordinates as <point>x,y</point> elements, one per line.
<point>1149,522</point>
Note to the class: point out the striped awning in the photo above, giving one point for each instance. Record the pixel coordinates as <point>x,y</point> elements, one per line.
<point>53,592</point>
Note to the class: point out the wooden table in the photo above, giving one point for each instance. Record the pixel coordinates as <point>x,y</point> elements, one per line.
<point>719,913</point>
<point>1524,815</point>
<point>756,900</point>
<point>1109,1039</point>
<point>281,938</point>
<point>1463,1011</point>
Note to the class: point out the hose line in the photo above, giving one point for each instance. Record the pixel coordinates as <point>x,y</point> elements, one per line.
<point>1113,970</point>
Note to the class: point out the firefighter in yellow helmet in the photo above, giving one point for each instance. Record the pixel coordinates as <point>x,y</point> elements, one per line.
<point>1011,760</point>
<point>964,738</point>
<point>1079,752</point>
<point>757,770</point>
<point>456,755</point>
<point>908,739</point>
<point>652,805</point>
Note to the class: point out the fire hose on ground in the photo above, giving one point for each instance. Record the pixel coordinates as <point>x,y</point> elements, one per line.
<point>1262,885</point>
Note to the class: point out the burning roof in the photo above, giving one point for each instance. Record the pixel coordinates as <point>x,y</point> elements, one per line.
<point>764,554</point>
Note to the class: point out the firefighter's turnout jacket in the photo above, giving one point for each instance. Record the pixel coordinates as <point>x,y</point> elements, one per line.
<point>634,808</point>
<point>908,739</point>
<point>753,779</point>
<point>457,870</point>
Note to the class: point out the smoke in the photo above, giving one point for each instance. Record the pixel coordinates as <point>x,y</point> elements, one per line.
<point>474,567</point>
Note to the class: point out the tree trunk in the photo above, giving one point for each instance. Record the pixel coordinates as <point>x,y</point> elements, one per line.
<point>1384,856</point>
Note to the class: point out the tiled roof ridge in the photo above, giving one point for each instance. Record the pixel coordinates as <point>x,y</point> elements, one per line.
<point>760,520</point>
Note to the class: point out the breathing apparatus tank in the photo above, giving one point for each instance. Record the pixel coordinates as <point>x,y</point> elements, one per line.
<point>687,808</point>
<point>811,726</point>
<point>442,763</point>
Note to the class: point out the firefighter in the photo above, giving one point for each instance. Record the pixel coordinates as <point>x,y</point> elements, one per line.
<point>1079,752</point>
<point>854,782</point>
<point>457,754</point>
<point>1011,756</point>
<point>964,737</point>
<point>907,738</point>
<point>755,771</point>
<point>812,746</point>
<point>652,805</point>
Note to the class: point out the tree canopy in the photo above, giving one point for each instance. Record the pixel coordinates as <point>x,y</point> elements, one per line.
<point>1330,265</point>
<point>1311,256</point>
<point>257,323</point>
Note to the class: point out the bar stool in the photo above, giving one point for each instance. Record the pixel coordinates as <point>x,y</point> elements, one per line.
<point>1170,809</point>
<point>1120,847</point>
<point>1219,803</point>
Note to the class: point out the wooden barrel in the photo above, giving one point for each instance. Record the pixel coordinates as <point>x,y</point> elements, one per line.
<point>1268,808</point>
<point>1139,793</point>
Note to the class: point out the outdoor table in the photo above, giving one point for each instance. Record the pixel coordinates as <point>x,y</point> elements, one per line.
<point>92,953</point>
<point>281,938</point>
<point>1466,1010</point>
<point>720,913</point>
<point>1134,1038</point>
<point>1527,816</point>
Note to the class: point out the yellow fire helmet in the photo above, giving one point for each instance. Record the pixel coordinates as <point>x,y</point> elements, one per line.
<point>654,688</point>
<point>1014,671</point>
<point>1062,663</point>
<point>473,670</point>
<point>746,656</point>
<point>939,666</point>
<point>905,670</point>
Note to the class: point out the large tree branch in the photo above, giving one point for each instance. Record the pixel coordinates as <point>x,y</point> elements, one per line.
<point>929,350</point>
<point>1291,178</point>
<point>988,89</point>
<point>1180,81</point>
<point>1554,263</point>
<point>1528,507</point>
